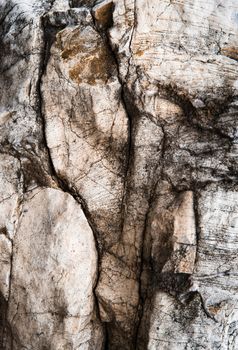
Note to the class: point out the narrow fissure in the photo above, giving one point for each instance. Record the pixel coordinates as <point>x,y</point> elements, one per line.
<point>197,221</point>
<point>106,340</point>
<point>6,336</point>
<point>131,112</point>
<point>128,106</point>
<point>142,293</point>
<point>140,309</point>
<point>129,151</point>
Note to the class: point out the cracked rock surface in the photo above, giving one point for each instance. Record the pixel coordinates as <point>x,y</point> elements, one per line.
<point>118,174</point>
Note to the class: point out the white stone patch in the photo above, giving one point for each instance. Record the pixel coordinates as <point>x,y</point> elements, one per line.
<point>54,272</point>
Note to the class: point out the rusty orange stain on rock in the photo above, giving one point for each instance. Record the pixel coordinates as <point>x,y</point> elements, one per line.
<point>140,53</point>
<point>214,309</point>
<point>97,65</point>
<point>88,61</point>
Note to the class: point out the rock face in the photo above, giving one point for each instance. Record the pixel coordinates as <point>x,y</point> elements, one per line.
<point>118,174</point>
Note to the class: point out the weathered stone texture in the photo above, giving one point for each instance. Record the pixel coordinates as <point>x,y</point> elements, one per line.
<point>118,174</point>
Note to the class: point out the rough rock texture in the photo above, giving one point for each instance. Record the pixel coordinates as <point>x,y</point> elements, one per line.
<point>118,174</point>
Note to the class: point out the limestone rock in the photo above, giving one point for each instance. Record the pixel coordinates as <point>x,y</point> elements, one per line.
<point>118,174</point>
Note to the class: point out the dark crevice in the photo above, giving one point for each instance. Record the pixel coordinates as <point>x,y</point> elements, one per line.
<point>6,336</point>
<point>143,264</point>
<point>10,275</point>
<point>49,34</point>
<point>131,113</point>
<point>106,339</point>
<point>197,222</point>
<point>142,298</point>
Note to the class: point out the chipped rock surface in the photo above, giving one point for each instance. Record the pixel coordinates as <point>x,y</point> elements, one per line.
<point>118,174</point>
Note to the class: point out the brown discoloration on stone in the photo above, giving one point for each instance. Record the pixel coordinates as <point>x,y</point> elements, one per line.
<point>214,309</point>
<point>231,52</point>
<point>103,14</point>
<point>88,61</point>
<point>72,51</point>
<point>139,53</point>
<point>96,66</point>
<point>71,43</point>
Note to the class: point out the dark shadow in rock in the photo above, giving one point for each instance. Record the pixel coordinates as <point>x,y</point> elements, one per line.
<point>80,3</point>
<point>117,337</point>
<point>174,285</point>
<point>5,329</point>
